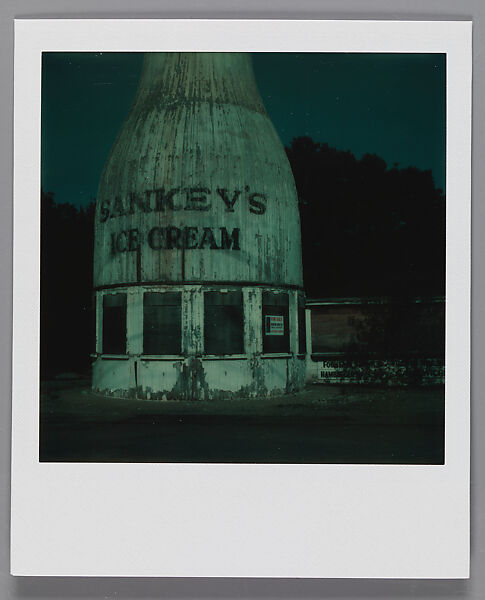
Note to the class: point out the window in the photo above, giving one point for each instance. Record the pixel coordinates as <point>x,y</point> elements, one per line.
<point>162,325</point>
<point>114,324</point>
<point>301,325</point>
<point>223,323</point>
<point>276,336</point>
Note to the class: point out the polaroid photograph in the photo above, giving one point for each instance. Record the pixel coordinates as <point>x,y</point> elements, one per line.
<point>241,298</point>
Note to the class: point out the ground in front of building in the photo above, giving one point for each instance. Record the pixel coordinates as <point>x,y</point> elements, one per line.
<point>322,424</point>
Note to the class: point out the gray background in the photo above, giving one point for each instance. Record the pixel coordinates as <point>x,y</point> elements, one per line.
<point>137,588</point>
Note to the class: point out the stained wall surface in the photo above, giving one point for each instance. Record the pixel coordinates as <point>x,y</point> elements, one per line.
<point>197,186</point>
<point>197,199</point>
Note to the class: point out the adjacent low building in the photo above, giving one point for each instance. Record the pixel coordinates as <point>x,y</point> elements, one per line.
<point>376,340</point>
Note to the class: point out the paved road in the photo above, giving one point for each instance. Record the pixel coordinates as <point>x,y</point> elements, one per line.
<point>323,424</point>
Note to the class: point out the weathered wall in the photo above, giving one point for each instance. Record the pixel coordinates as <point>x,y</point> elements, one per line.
<point>398,372</point>
<point>333,327</point>
<point>197,194</point>
<point>193,374</point>
<point>378,341</point>
<point>378,326</point>
<point>198,378</point>
<point>197,186</point>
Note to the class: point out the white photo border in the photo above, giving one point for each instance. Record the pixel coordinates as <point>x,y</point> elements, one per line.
<point>239,520</point>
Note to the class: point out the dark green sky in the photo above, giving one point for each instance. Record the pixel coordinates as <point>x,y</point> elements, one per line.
<point>392,105</point>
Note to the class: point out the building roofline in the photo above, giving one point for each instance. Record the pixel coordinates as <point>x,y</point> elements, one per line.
<point>375,300</point>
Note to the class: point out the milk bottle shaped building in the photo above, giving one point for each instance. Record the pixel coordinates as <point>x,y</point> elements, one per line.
<point>197,260</point>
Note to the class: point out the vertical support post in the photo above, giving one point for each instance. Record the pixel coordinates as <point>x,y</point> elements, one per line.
<point>134,321</point>
<point>253,329</point>
<point>309,375</point>
<point>308,326</point>
<point>293,321</point>
<point>193,321</point>
<point>99,322</point>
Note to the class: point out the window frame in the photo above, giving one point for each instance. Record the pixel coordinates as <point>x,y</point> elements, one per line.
<point>276,309</point>
<point>179,304</point>
<point>104,328</point>
<point>240,349</point>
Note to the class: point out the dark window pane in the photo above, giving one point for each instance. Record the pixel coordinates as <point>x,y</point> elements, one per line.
<point>223,323</point>
<point>162,299</point>
<point>301,325</point>
<point>114,324</point>
<point>162,326</point>
<point>275,299</point>
<point>276,336</point>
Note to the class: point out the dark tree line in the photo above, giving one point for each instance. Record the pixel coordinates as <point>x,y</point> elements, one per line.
<point>367,230</point>
<point>67,318</point>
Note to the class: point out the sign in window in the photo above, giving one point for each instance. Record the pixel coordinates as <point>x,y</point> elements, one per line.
<point>274,325</point>
<point>276,337</point>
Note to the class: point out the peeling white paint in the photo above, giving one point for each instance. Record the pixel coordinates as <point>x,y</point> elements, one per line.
<point>197,194</point>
